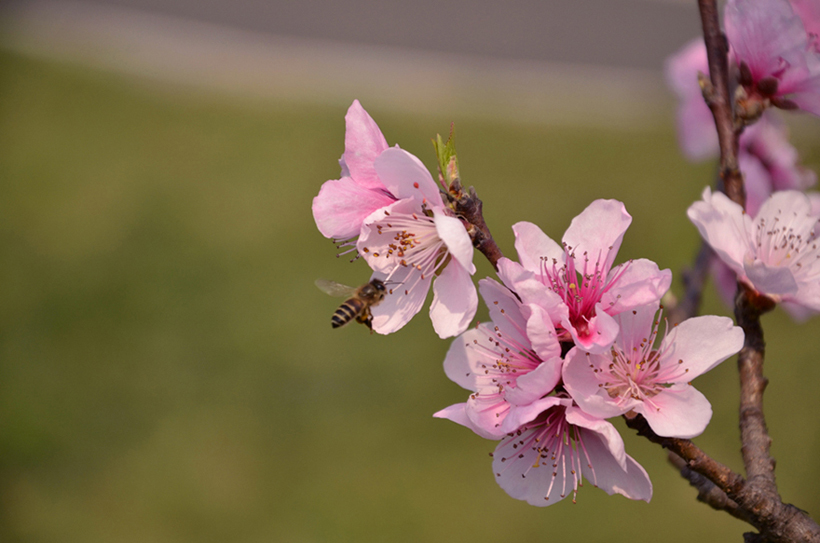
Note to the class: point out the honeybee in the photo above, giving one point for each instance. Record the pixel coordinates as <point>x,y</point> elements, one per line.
<point>359,301</point>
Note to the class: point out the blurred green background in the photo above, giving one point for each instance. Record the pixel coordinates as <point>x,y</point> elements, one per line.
<point>168,372</point>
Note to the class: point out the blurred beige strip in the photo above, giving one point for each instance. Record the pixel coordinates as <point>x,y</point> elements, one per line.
<point>260,65</point>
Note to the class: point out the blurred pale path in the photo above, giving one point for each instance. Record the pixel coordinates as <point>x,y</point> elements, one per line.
<point>168,373</point>
<point>328,68</point>
<point>625,33</point>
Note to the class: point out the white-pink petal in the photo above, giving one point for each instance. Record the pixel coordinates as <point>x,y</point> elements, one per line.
<point>680,411</point>
<point>598,231</point>
<point>582,383</point>
<point>405,176</point>
<point>641,283</point>
<point>724,226</point>
<point>402,302</point>
<point>601,331</point>
<point>455,301</point>
<point>451,230</point>
<point>533,245</point>
<point>699,344</point>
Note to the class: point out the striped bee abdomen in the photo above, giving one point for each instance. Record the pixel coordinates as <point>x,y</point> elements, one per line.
<point>346,312</point>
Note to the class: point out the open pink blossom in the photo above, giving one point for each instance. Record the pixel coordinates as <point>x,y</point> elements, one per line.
<point>342,204</point>
<point>575,283</point>
<point>776,253</point>
<point>556,446</point>
<point>637,376</point>
<point>499,364</point>
<point>772,47</point>
<point>413,241</point>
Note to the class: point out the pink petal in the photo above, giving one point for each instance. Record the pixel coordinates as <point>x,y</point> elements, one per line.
<point>531,290</point>
<point>406,177</point>
<point>773,280</point>
<point>462,363</point>
<point>640,283</point>
<point>458,414</point>
<point>455,301</point>
<point>363,143</point>
<point>505,311</point>
<point>603,329</point>
<point>701,343</point>
<point>342,205</point>
<point>541,333</point>
<point>582,383</point>
<point>765,34</point>
<point>605,447</point>
<point>533,245</point>
<point>635,325</point>
<point>402,302</point>
<point>535,384</point>
<point>451,230</point>
<point>680,411</point>
<point>610,438</point>
<point>523,414</point>
<point>696,126</point>
<point>724,226</point>
<point>598,231</point>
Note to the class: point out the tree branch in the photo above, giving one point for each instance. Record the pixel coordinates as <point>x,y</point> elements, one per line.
<point>717,95</point>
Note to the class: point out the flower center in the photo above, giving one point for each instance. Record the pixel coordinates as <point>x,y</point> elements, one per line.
<point>555,445</point>
<point>785,242</point>
<point>581,289</point>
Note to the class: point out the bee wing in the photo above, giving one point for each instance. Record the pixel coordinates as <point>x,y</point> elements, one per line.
<point>335,289</point>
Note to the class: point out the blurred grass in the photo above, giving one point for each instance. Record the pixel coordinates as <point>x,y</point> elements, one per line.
<point>167,368</point>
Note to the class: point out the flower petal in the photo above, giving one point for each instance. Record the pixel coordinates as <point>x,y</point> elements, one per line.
<point>363,143</point>
<point>406,177</point>
<point>680,411</point>
<point>699,344</point>
<point>533,245</point>
<point>451,230</point>
<point>535,384</point>
<point>598,231</point>
<point>402,302</point>
<point>455,301</point>
<point>724,226</point>
<point>462,363</point>
<point>580,374</point>
<point>505,311</point>
<point>641,283</point>
<point>458,414</point>
<point>342,206</point>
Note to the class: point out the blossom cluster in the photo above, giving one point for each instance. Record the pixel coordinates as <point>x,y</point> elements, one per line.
<point>576,338</point>
<point>774,52</point>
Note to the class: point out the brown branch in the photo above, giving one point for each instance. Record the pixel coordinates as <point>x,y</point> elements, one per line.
<point>717,95</point>
<point>776,521</point>
<point>469,207</point>
<point>708,492</point>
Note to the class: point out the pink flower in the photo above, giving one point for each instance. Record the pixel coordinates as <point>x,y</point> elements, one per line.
<point>773,50</point>
<point>635,376</point>
<point>575,282</point>
<point>342,204</point>
<point>776,254</point>
<point>556,446</point>
<point>696,125</point>
<point>410,242</point>
<point>500,364</point>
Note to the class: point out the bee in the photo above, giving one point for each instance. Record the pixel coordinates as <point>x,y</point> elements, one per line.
<point>359,301</point>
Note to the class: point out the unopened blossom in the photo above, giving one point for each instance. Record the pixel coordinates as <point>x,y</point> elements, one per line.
<point>777,57</point>
<point>639,376</point>
<point>414,242</point>
<point>576,283</point>
<point>342,204</point>
<point>776,253</point>
<point>556,446</point>
<point>697,135</point>
<point>499,363</point>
